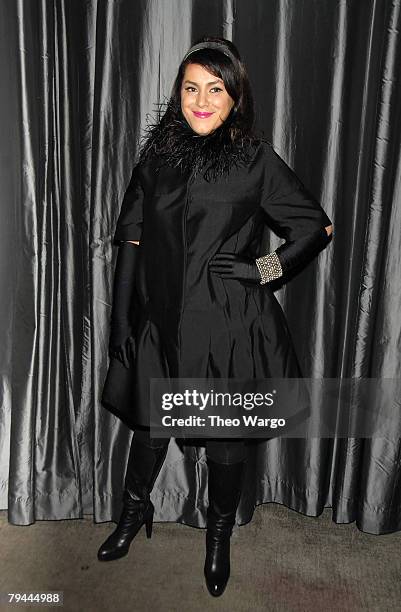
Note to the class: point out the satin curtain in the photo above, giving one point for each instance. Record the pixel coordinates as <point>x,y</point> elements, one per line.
<point>80,78</point>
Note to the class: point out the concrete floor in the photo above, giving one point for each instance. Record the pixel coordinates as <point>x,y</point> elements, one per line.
<point>281,560</point>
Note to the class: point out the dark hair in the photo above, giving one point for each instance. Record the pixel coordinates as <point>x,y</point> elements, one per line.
<point>236,82</point>
<point>229,141</point>
<point>235,78</point>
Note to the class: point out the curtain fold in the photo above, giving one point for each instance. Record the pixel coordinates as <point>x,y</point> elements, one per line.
<point>326,84</point>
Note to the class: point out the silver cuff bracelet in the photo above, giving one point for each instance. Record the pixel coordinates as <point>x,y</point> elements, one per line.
<point>269,267</point>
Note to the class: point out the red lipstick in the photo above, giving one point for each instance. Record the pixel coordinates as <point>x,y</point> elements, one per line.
<point>202,115</point>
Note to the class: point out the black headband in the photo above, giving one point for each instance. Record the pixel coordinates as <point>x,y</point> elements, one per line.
<point>212,45</point>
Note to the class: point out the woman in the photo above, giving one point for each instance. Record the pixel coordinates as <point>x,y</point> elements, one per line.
<point>201,305</point>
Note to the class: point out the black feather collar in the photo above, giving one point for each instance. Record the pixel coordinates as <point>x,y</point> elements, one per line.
<point>172,140</point>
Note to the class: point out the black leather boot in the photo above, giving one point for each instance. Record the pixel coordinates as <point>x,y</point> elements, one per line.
<point>144,464</point>
<point>224,490</point>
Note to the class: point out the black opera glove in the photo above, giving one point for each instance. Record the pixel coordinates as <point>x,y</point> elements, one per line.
<point>301,251</point>
<point>231,265</point>
<point>122,342</point>
<point>273,265</point>
<point>291,254</point>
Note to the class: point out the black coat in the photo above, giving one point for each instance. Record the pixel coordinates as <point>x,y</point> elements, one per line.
<point>190,322</point>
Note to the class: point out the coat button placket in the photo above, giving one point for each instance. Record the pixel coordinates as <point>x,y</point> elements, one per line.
<point>188,198</point>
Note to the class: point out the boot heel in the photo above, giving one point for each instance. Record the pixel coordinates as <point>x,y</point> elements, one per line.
<point>149,524</point>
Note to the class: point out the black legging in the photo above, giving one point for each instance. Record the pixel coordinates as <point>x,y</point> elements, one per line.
<point>219,450</point>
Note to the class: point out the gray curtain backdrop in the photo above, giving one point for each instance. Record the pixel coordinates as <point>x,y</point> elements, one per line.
<point>78,79</point>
